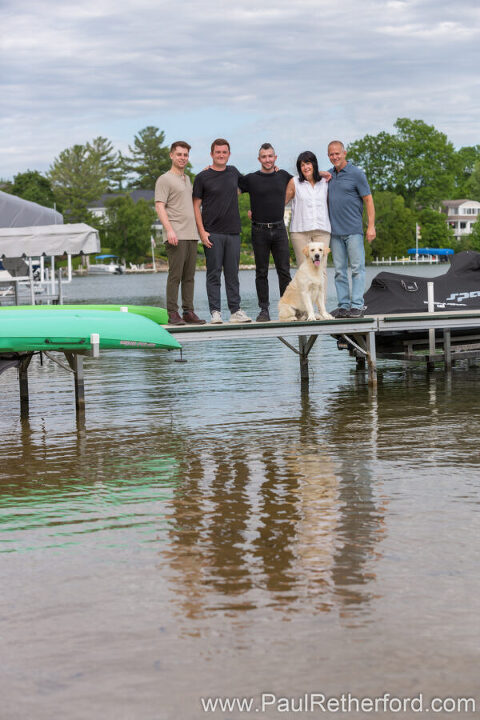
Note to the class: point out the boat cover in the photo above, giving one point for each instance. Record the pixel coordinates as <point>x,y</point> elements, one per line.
<point>457,289</point>
<point>48,240</point>
<point>17,212</point>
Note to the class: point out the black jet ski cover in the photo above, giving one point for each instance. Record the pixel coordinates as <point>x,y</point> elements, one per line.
<point>457,289</point>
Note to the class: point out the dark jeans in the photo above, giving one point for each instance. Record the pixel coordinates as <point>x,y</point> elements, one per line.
<point>224,254</point>
<point>265,241</point>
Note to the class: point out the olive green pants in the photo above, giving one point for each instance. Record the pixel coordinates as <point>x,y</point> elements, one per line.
<point>182,262</point>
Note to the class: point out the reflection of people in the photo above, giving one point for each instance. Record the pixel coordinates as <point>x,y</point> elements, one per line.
<point>269,235</point>
<point>348,193</point>
<point>215,203</point>
<point>308,193</point>
<point>173,203</point>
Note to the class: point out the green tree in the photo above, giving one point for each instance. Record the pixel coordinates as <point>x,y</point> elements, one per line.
<point>395,226</point>
<point>417,162</point>
<point>108,159</point>
<point>472,191</point>
<point>474,237</point>
<point>128,227</point>
<point>466,160</point>
<point>149,158</point>
<point>246,231</point>
<point>377,155</point>
<point>435,231</point>
<point>426,168</point>
<point>6,185</point>
<point>79,176</point>
<point>32,185</point>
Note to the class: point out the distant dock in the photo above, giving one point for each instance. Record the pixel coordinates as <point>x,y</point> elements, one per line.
<point>421,260</point>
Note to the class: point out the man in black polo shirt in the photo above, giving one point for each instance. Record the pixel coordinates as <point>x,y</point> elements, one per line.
<point>215,204</point>
<point>269,235</point>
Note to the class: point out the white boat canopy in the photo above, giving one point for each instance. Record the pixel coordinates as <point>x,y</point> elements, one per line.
<point>74,239</point>
<point>17,212</point>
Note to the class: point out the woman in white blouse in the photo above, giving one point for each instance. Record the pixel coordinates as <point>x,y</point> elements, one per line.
<point>308,193</point>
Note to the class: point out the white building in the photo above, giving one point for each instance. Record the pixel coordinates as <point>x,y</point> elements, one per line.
<point>461,215</point>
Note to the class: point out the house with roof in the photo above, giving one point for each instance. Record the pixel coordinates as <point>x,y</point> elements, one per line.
<point>98,208</point>
<point>461,215</point>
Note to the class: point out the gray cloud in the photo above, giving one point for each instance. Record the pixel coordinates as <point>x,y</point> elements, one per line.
<point>297,73</point>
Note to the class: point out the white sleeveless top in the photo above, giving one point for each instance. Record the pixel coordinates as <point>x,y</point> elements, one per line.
<point>309,207</point>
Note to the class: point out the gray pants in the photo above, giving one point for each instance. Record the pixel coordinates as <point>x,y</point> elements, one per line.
<point>182,261</point>
<point>224,254</point>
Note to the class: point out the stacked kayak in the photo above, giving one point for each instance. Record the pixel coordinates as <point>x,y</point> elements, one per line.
<point>70,328</point>
<point>157,314</point>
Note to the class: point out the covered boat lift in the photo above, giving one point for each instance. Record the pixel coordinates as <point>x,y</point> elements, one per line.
<point>28,231</point>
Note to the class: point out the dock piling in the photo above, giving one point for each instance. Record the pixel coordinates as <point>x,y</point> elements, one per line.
<point>23,383</point>
<point>75,360</point>
<point>303,353</point>
<point>371,359</point>
<point>447,349</point>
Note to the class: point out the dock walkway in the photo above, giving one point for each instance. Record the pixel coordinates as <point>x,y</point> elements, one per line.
<point>440,333</point>
<point>426,337</point>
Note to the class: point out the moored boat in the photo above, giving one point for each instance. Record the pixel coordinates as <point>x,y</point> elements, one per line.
<point>112,266</point>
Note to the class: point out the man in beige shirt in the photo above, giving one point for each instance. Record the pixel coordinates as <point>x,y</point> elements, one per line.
<point>173,203</point>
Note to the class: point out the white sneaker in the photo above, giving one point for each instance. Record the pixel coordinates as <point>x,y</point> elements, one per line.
<point>239,317</point>
<point>216,318</point>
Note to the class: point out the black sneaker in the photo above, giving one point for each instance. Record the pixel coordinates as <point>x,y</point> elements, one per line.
<point>356,312</point>
<point>340,312</point>
<point>263,316</point>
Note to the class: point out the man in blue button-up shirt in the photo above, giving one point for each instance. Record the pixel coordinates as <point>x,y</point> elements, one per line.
<point>348,193</point>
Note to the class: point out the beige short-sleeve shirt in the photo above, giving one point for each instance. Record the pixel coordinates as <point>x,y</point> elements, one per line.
<point>176,192</point>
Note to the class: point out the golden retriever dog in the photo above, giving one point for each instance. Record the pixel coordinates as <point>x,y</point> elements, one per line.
<point>307,288</point>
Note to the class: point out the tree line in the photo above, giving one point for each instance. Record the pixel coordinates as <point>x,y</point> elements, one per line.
<point>82,174</point>
<point>410,171</point>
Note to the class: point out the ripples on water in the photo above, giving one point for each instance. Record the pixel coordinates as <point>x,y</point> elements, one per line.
<point>211,529</point>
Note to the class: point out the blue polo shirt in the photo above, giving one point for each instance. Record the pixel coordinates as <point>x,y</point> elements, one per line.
<point>345,192</point>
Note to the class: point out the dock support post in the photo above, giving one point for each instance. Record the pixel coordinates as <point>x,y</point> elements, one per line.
<point>23,383</point>
<point>303,353</point>
<point>360,363</point>
<point>431,332</point>
<point>79,384</point>
<point>372,359</point>
<point>447,349</point>
<point>75,360</point>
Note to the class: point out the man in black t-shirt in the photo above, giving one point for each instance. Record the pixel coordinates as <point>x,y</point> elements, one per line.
<point>269,235</point>
<point>215,204</point>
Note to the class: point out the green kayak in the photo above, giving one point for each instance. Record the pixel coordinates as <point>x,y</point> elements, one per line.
<point>22,330</point>
<point>157,314</point>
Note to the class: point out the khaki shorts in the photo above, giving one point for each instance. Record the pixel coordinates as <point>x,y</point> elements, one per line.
<point>300,239</point>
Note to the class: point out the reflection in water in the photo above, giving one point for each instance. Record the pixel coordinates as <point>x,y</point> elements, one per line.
<point>213,529</point>
<point>284,526</point>
<point>54,497</point>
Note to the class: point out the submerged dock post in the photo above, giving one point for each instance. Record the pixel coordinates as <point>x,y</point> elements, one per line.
<point>431,332</point>
<point>303,353</point>
<point>75,360</point>
<point>372,359</point>
<point>23,383</point>
<point>447,349</point>
<point>79,384</point>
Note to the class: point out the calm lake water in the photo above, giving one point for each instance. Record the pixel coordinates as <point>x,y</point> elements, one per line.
<point>214,532</point>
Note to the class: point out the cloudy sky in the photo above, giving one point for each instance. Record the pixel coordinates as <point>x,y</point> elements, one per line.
<point>294,72</point>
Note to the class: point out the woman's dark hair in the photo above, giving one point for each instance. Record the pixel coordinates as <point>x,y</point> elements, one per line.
<point>308,157</point>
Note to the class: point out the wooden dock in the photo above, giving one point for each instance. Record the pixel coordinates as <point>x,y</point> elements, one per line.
<point>446,336</point>
<point>430,338</point>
